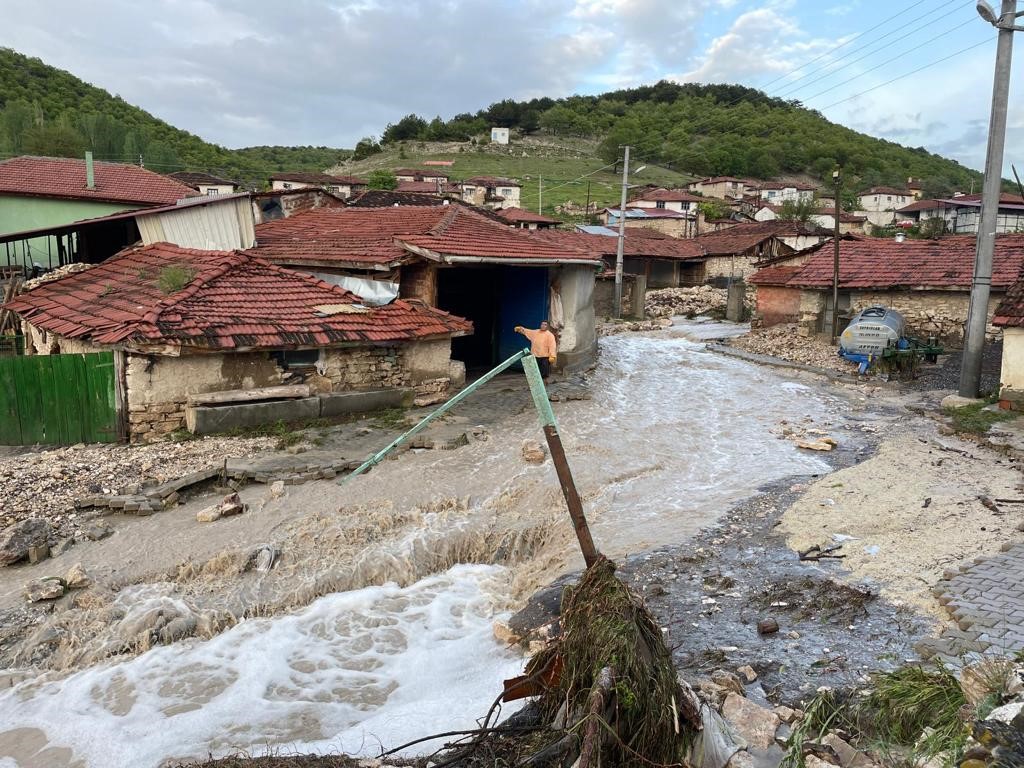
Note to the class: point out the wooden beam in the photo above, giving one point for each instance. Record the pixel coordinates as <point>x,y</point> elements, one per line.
<point>283,392</point>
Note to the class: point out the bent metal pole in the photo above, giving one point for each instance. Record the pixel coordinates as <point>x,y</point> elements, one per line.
<point>550,427</point>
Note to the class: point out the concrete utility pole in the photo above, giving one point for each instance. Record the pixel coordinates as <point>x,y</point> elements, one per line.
<point>540,195</point>
<point>981,285</point>
<point>622,237</point>
<point>837,180</point>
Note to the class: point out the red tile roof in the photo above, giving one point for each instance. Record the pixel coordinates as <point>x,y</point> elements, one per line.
<point>419,173</point>
<point>774,275</point>
<point>945,263</point>
<point>1010,311</point>
<point>634,244</point>
<point>885,191</point>
<point>383,237</point>
<point>922,205</point>
<point>784,185</point>
<point>64,177</point>
<point>491,181</point>
<point>229,300</point>
<point>745,236</point>
<point>195,178</point>
<point>318,178</point>
<point>425,187</point>
<point>520,216</point>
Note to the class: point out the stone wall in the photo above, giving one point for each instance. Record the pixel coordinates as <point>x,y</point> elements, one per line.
<point>723,266</point>
<point>929,313</point>
<point>41,342</point>
<point>364,368</point>
<point>670,227</point>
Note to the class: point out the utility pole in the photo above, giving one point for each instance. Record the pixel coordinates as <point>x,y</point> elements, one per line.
<point>586,210</point>
<point>540,195</point>
<point>981,285</point>
<point>617,307</point>
<point>837,181</point>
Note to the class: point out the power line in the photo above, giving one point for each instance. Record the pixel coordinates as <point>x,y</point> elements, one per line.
<point>789,88</point>
<point>908,74</point>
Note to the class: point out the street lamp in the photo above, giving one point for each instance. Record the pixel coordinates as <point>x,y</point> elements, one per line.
<point>981,282</point>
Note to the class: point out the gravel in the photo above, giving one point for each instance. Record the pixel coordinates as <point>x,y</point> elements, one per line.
<point>46,483</point>
<point>785,342</point>
<point>946,374</point>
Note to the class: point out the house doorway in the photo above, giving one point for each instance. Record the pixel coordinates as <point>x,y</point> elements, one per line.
<point>496,298</point>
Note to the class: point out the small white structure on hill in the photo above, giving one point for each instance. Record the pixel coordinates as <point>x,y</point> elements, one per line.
<point>499,135</point>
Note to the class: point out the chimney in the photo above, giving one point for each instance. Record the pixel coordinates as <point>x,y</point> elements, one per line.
<point>90,175</point>
<point>900,237</point>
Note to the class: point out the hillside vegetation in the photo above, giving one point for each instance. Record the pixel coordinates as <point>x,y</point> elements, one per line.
<point>705,130</point>
<point>47,111</point>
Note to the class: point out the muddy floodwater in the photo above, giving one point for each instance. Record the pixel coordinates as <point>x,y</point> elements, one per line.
<point>672,438</point>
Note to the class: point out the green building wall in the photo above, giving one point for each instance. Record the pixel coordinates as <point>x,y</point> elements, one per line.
<point>21,213</point>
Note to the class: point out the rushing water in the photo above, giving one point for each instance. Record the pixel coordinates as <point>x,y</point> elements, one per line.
<point>672,437</point>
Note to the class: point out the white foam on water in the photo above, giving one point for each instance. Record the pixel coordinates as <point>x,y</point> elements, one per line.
<point>352,671</point>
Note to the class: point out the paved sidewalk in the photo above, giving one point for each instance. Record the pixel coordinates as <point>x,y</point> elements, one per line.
<point>986,599</point>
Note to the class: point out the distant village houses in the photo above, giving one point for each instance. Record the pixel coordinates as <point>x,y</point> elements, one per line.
<point>205,183</point>
<point>491,192</point>
<point>343,186</point>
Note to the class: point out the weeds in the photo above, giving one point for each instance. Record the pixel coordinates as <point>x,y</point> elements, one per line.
<point>174,277</point>
<point>976,419</point>
<point>182,436</point>
<point>389,418</point>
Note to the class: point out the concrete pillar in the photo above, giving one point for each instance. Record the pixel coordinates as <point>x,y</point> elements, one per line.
<point>734,301</point>
<point>638,293</point>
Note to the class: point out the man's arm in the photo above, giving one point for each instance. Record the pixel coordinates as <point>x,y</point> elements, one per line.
<point>527,332</point>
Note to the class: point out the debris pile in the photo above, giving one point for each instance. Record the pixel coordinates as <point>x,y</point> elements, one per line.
<point>786,343</point>
<point>698,300</point>
<point>46,484</point>
<point>55,274</point>
<point>616,327</point>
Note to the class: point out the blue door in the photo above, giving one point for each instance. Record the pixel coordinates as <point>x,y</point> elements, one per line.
<point>522,300</point>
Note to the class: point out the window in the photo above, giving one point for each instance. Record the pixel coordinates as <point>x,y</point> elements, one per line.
<point>659,204</point>
<point>291,359</point>
<point>212,191</point>
<point>286,185</point>
<point>505,191</point>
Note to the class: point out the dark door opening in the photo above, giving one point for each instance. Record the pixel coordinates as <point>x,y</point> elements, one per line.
<point>495,299</point>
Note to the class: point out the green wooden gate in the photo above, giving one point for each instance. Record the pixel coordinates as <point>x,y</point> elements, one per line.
<point>58,399</point>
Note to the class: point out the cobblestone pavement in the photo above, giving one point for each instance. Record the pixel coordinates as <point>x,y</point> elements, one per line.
<point>986,599</point>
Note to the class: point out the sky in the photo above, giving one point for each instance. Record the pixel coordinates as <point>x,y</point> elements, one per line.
<point>328,72</point>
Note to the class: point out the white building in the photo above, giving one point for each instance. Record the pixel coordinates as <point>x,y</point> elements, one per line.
<point>499,135</point>
<point>879,199</point>
<point>491,192</point>
<point>342,186</point>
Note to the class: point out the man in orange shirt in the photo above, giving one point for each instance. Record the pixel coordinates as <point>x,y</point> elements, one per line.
<point>543,345</point>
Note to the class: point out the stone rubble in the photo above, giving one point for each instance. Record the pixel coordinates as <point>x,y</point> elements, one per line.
<point>49,588</point>
<point>786,343</point>
<point>47,483</point>
<point>22,539</point>
<point>696,300</point>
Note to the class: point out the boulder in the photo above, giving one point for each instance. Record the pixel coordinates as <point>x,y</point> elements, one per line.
<point>727,680</point>
<point>77,578</point>
<point>813,761</point>
<point>277,489</point>
<point>747,672</point>
<point>848,756</point>
<point>16,540</point>
<point>49,588</point>
<point>97,531</point>
<point>767,626</point>
<point>231,505</point>
<point>755,724</point>
<point>209,514</point>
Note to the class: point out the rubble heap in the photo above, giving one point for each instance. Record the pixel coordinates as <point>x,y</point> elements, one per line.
<point>55,274</point>
<point>786,343</point>
<point>46,484</point>
<point>698,300</point>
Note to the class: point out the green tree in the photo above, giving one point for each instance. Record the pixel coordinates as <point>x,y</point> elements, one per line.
<point>16,119</point>
<point>799,211</point>
<point>55,140</point>
<point>712,208</point>
<point>366,147</point>
<point>381,179</point>
<point>409,127</point>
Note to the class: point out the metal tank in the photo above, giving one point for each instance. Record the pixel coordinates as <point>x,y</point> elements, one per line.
<point>872,331</point>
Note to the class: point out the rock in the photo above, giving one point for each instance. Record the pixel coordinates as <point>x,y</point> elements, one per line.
<point>97,531</point>
<point>534,453</point>
<point>264,558</point>
<point>821,444</point>
<point>848,756</point>
<point>231,505</point>
<point>782,734</point>
<point>277,489</point>
<point>741,759</point>
<point>17,539</point>
<point>755,724</point>
<point>712,693</point>
<point>767,626</point>
<point>788,715</point>
<point>77,578</point>
<point>727,680</point>
<point>62,546</point>
<point>1007,712</point>
<point>813,761</point>
<point>38,553</point>
<point>210,514</point>
<point>503,634</point>
<point>363,431</point>
<point>956,401</point>
<point>49,588</point>
<point>747,672</point>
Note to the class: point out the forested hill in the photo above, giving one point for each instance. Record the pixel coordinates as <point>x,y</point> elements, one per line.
<point>708,130</point>
<point>47,111</point>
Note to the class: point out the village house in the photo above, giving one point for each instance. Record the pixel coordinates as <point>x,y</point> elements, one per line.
<point>40,192</point>
<point>1009,317</point>
<point>928,281</point>
<point>191,329</point>
<point>778,192</point>
<point>879,204</point>
<point>820,217</point>
<point>666,199</point>
<point>522,219</point>
<point>733,253</point>
<point>420,174</point>
<point>491,192</point>
<point>205,183</point>
<point>915,187</point>
<point>961,214</point>
<point>450,256</point>
<point>282,203</point>
<point>673,223</point>
<point>343,186</point>
<point>721,187</point>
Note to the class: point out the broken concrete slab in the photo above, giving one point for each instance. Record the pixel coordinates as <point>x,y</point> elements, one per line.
<point>209,420</point>
<point>340,403</point>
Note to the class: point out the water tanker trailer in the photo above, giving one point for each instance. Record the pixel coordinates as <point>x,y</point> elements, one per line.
<point>879,333</point>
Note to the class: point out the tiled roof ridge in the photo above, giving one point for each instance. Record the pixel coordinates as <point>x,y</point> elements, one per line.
<point>442,226</point>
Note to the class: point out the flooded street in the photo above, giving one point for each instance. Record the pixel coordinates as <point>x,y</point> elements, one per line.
<point>671,439</point>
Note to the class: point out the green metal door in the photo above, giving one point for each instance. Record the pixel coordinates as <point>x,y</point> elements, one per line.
<point>58,399</point>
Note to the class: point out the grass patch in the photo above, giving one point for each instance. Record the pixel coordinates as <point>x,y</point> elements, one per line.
<point>182,436</point>
<point>389,418</point>
<point>975,419</point>
<point>174,277</point>
<point>287,434</point>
